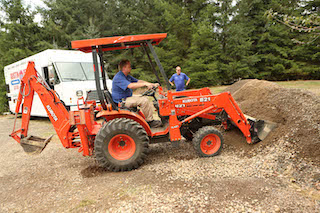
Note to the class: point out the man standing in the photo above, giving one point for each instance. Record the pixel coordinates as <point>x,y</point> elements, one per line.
<point>179,79</point>
<point>122,85</point>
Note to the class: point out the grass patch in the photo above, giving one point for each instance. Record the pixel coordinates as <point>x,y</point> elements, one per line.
<point>217,89</point>
<point>312,85</point>
<point>300,84</point>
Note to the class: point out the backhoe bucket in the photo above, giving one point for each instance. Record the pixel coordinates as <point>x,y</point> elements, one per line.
<point>34,145</point>
<point>260,128</point>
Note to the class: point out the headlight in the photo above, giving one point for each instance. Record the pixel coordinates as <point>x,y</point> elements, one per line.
<point>79,93</point>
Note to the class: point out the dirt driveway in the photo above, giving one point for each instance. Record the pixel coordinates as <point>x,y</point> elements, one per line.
<point>272,176</point>
<point>171,180</point>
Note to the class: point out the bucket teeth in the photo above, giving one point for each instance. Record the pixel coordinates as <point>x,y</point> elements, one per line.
<point>34,145</point>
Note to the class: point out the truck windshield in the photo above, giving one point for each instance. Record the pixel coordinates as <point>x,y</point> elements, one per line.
<point>75,71</point>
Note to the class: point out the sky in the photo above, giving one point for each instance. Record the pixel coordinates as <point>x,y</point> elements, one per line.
<point>34,3</point>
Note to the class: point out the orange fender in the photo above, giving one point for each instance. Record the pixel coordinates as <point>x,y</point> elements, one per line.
<point>110,115</point>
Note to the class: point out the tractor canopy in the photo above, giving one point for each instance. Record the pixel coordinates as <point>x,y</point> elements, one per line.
<point>117,42</point>
<point>99,45</point>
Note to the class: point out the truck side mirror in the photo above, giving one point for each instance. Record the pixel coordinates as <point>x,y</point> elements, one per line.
<point>53,78</point>
<point>51,81</point>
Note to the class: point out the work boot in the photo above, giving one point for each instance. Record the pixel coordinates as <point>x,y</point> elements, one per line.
<point>154,123</point>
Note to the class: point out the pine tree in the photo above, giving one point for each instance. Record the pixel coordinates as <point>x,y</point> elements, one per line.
<point>272,44</point>
<point>202,65</point>
<point>20,37</point>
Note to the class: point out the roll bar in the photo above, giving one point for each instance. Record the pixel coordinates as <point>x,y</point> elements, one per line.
<point>100,45</point>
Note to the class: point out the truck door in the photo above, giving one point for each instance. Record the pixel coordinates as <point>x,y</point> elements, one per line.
<point>51,76</point>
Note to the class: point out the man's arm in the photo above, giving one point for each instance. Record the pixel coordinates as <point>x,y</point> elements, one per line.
<point>187,78</point>
<point>142,81</point>
<point>140,84</point>
<point>171,79</point>
<point>188,82</point>
<point>136,85</point>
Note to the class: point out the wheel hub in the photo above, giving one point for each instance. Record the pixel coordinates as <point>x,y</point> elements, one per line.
<point>210,144</point>
<point>122,143</point>
<point>122,147</point>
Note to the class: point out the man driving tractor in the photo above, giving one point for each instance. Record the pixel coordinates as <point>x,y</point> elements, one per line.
<point>122,86</point>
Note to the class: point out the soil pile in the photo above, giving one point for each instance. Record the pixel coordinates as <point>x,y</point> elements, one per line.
<point>297,113</point>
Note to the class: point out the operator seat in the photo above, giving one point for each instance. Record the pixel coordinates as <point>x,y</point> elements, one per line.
<point>109,100</point>
<point>114,105</point>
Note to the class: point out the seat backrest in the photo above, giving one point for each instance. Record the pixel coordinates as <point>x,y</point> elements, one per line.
<point>109,99</point>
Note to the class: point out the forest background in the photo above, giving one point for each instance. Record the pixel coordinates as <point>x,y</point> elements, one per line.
<point>216,42</point>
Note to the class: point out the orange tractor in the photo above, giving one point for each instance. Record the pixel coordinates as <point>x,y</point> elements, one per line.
<point>121,142</point>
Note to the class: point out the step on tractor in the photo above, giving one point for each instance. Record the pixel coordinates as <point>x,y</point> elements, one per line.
<point>121,141</point>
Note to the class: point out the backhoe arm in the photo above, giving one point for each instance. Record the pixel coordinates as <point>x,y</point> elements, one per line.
<point>55,109</point>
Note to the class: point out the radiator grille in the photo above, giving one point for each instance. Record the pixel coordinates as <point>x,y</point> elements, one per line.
<point>92,95</point>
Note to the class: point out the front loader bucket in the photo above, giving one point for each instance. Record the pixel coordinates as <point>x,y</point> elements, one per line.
<point>34,145</point>
<point>260,128</point>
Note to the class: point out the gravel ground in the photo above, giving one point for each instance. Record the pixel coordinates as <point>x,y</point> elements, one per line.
<point>272,176</point>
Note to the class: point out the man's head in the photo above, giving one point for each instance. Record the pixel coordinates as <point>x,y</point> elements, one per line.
<point>178,70</point>
<point>125,66</point>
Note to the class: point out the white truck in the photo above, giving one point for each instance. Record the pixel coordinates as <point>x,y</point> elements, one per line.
<point>69,73</point>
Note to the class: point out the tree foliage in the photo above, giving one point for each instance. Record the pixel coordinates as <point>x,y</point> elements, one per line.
<point>215,42</point>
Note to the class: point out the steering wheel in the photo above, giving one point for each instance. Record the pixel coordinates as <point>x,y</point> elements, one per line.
<point>150,92</point>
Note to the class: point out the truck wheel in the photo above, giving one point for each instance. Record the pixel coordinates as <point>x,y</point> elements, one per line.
<point>121,145</point>
<point>208,141</point>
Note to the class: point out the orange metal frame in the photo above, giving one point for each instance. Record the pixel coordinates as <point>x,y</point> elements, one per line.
<point>195,103</point>
<point>191,103</point>
<point>117,42</point>
<point>200,103</point>
<point>61,119</point>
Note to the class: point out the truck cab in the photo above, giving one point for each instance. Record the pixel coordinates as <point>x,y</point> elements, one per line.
<point>69,73</point>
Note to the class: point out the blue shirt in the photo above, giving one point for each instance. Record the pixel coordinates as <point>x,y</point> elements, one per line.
<point>120,88</point>
<point>179,81</point>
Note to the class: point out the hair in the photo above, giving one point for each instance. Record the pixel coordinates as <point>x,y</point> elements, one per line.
<point>123,63</point>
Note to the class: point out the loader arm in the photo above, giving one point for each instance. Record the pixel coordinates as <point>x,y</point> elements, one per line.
<point>55,109</point>
<point>222,108</point>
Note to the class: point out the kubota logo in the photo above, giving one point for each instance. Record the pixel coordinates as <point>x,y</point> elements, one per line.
<point>189,100</point>
<point>55,118</point>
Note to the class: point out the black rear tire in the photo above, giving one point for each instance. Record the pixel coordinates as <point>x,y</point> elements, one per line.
<point>111,150</point>
<point>208,141</point>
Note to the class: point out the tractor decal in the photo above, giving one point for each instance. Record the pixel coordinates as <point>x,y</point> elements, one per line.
<point>205,99</point>
<point>180,105</point>
<point>190,100</point>
<point>55,118</point>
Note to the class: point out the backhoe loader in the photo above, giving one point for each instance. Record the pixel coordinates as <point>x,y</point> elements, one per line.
<point>120,143</point>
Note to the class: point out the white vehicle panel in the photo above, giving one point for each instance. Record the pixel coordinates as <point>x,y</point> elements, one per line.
<point>65,90</point>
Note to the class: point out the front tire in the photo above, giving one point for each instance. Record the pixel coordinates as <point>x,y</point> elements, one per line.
<point>208,141</point>
<point>121,145</point>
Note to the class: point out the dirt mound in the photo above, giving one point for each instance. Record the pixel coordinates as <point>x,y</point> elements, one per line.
<point>234,87</point>
<point>296,111</point>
